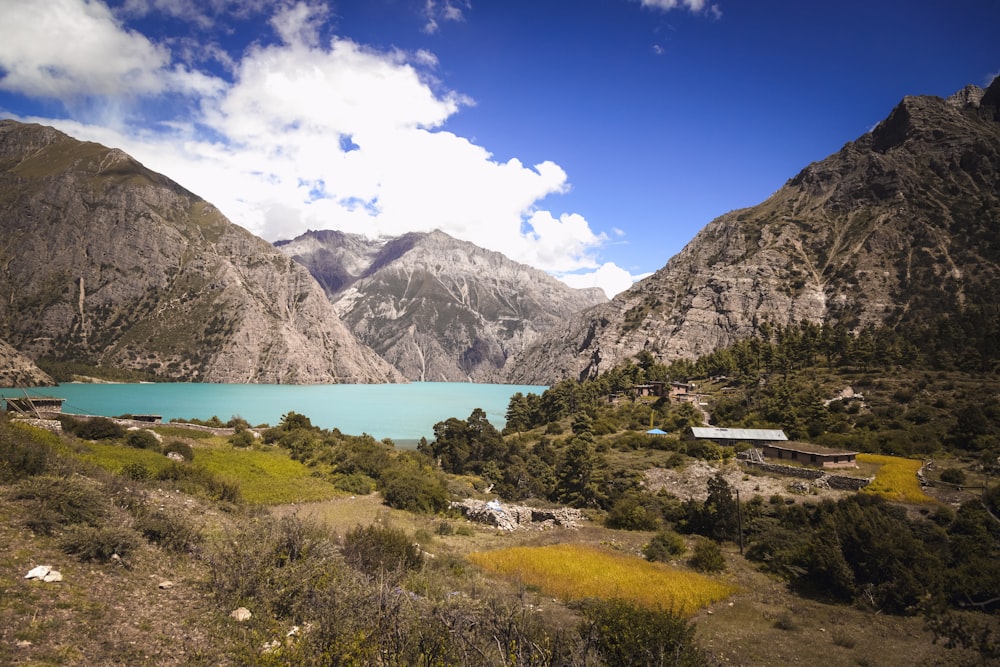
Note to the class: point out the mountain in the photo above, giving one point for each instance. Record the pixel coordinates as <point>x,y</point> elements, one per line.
<point>17,370</point>
<point>107,263</point>
<point>435,307</point>
<point>902,224</point>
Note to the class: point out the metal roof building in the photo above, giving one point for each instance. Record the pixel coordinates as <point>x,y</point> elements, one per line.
<point>724,435</point>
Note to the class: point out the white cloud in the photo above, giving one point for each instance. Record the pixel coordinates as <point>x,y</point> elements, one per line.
<point>436,11</point>
<point>695,6</point>
<point>334,135</point>
<point>609,277</point>
<point>66,49</point>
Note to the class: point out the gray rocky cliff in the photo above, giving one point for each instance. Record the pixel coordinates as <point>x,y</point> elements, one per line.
<point>437,308</point>
<point>107,263</point>
<point>902,223</point>
<point>17,370</point>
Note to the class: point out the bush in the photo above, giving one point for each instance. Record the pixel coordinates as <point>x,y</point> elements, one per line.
<point>22,454</point>
<point>665,545</point>
<point>630,513</point>
<point>379,549</point>
<point>136,471</point>
<point>99,543</point>
<point>96,428</point>
<point>142,439</point>
<point>953,476</point>
<point>708,556</point>
<point>168,530</point>
<point>625,634</point>
<point>409,486</point>
<point>278,566</point>
<point>357,483</point>
<point>242,439</point>
<point>179,447</point>
<point>58,501</point>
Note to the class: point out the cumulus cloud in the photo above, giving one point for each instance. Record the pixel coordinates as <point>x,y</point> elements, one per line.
<point>609,277</point>
<point>64,49</point>
<point>313,134</point>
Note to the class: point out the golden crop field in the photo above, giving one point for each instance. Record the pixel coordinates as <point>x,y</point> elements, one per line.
<point>576,571</point>
<point>896,479</point>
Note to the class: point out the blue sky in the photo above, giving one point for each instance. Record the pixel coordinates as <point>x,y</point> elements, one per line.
<point>588,138</point>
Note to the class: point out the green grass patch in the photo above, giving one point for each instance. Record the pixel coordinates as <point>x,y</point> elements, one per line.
<point>576,572</point>
<point>265,476</point>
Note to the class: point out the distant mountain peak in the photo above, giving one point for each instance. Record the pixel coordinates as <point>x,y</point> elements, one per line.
<point>436,307</point>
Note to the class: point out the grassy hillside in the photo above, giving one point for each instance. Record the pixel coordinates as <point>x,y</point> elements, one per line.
<point>154,561</point>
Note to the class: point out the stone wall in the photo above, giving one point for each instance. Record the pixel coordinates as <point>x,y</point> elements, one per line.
<point>819,477</point>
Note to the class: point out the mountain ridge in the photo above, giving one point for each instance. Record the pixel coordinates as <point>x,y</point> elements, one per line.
<point>900,223</point>
<point>109,263</point>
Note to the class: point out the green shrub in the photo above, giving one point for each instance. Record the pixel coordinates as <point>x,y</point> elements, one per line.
<point>96,428</point>
<point>142,439</point>
<point>707,556</point>
<point>242,439</point>
<point>631,513</point>
<point>169,530</point>
<point>410,486</point>
<point>136,471</point>
<point>953,476</point>
<point>356,483</point>
<point>59,501</point>
<point>664,546</point>
<point>379,549</point>
<point>21,453</point>
<point>625,634</point>
<point>98,543</point>
<point>179,447</point>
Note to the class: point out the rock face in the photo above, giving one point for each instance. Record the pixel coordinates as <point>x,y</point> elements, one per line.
<point>901,224</point>
<point>108,263</point>
<point>17,370</point>
<point>437,308</point>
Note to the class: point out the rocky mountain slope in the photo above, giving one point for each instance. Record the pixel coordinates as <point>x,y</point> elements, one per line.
<point>17,370</point>
<point>105,262</point>
<point>903,223</point>
<point>435,307</point>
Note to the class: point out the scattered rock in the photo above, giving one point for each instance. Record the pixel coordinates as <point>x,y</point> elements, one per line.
<point>176,456</point>
<point>512,517</point>
<point>44,573</point>
<point>166,585</point>
<point>241,614</point>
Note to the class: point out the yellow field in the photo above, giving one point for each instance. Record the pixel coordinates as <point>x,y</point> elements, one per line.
<point>574,572</point>
<point>896,479</point>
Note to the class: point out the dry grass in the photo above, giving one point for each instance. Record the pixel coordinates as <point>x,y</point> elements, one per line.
<point>577,571</point>
<point>896,479</point>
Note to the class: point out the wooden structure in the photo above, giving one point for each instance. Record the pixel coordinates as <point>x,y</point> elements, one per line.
<point>810,455</point>
<point>35,406</point>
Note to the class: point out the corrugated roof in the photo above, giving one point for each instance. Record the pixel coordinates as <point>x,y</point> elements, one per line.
<point>715,433</point>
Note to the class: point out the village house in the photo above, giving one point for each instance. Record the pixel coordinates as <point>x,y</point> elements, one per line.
<point>810,455</point>
<point>730,436</point>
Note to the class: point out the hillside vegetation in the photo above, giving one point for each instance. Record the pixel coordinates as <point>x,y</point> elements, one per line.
<point>345,550</point>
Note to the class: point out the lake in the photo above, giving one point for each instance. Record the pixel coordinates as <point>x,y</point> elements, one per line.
<point>403,412</point>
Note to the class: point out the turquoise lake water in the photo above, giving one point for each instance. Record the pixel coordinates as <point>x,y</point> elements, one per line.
<point>398,411</point>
